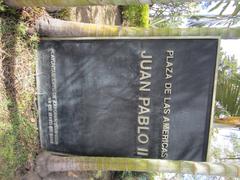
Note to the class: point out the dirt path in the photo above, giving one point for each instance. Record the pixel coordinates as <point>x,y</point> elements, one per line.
<point>110,15</point>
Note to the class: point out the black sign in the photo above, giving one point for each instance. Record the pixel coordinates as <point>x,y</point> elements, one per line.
<point>149,98</point>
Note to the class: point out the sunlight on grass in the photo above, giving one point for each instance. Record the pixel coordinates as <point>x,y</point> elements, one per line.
<point>18,129</point>
<point>136,15</point>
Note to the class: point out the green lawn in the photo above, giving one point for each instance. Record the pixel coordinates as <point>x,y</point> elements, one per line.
<point>18,120</point>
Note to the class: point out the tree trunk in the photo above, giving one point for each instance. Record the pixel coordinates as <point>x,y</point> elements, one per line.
<point>72,3</point>
<point>48,163</point>
<point>49,27</point>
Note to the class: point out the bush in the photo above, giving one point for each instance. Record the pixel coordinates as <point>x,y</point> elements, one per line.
<point>63,14</point>
<point>136,15</point>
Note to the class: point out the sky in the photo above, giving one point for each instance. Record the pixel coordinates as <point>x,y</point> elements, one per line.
<point>231,47</point>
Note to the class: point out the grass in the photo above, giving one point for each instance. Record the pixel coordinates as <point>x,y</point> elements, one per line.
<point>18,121</point>
<point>63,14</point>
<point>18,113</point>
<point>136,15</point>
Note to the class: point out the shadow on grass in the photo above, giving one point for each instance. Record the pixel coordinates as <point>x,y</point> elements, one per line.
<point>14,150</point>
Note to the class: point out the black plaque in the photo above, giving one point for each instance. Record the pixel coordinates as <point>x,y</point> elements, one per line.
<point>149,98</point>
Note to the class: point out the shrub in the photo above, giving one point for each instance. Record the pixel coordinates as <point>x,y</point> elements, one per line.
<point>136,15</point>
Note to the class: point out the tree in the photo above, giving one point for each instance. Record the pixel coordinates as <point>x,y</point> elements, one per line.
<point>213,20</point>
<point>219,19</point>
<point>228,91</point>
<point>171,13</point>
<point>58,28</point>
<point>52,163</point>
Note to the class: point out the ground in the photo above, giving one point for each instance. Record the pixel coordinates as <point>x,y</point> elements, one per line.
<point>18,132</point>
<point>19,144</point>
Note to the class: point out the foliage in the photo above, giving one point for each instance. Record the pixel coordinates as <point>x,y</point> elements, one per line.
<point>213,20</point>
<point>15,145</point>
<point>136,15</point>
<point>18,132</point>
<point>7,10</point>
<point>219,152</point>
<point>64,14</point>
<point>2,6</point>
<point>170,13</point>
<point>173,13</point>
<point>130,175</point>
<point>220,19</point>
<point>224,4</point>
<point>228,88</point>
